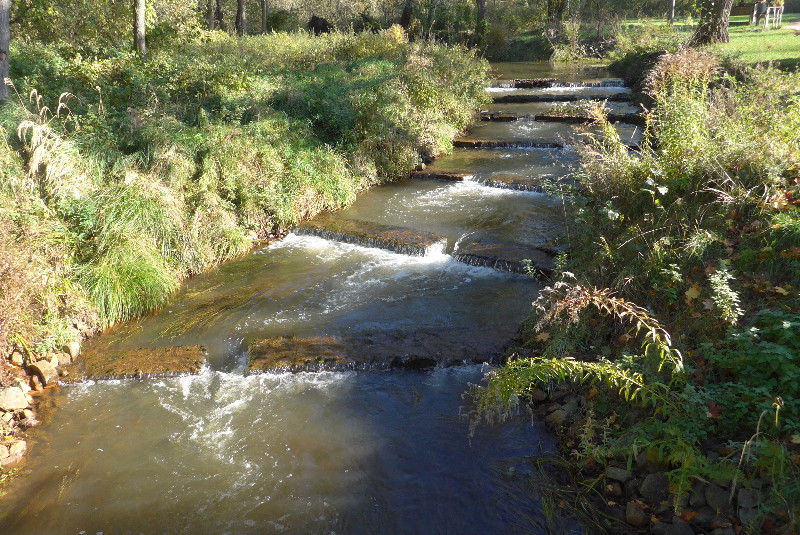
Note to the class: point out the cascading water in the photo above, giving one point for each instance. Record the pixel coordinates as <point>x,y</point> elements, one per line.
<point>346,452</point>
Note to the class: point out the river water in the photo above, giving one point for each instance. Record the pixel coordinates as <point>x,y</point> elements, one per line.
<point>333,452</point>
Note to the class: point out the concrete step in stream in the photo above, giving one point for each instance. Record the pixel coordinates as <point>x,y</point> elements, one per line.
<point>630,118</point>
<point>534,83</point>
<point>105,363</point>
<point>520,98</point>
<point>368,234</point>
<point>422,348</point>
<point>449,176</point>
<point>473,143</point>
<point>509,257</point>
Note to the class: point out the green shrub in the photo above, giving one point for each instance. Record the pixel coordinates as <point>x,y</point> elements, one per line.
<point>762,360</point>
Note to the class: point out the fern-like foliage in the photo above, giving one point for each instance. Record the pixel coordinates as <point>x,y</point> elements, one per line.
<point>519,377</point>
<point>564,301</point>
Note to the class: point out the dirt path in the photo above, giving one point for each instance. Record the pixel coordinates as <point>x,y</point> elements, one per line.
<point>794,26</point>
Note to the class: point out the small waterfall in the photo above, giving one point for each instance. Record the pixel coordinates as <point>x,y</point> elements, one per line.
<point>549,83</point>
<point>451,176</point>
<point>508,266</point>
<point>511,258</point>
<point>497,144</point>
<point>367,234</point>
<point>566,97</point>
<point>536,188</point>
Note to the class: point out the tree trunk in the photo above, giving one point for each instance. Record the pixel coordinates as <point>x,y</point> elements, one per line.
<point>139,27</point>
<point>405,17</point>
<point>241,18</point>
<point>480,22</point>
<point>5,40</point>
<point>555,15</point>
<point>672,12</point>
<point>210,14</point>
<point>714,18</point>
<point>219,16</point>
<point>264,16</point>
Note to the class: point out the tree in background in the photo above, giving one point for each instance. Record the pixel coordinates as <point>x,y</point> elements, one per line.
<point>241,18</point>
<point>481,23</point>
<point>714,19</point>
<point>139,27</point>
<point>264,15</point>
<point>219,16</point>
<point>5,40</point>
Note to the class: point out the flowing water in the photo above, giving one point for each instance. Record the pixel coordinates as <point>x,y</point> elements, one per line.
<point>347,451</point>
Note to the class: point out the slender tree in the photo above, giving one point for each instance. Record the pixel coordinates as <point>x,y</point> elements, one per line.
<point>480,22</point>
<point>241,18</point>
<point>219,16</point>
<point>714,19</point>
<point>209,14</point>
<point>264,15</point>
<point>139,27</point>
<point>555,14</point>
<point>5,40</point>
<point>408,12</point>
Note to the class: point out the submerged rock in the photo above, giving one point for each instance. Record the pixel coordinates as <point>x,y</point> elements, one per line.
<point>106,363</point>
<point>290,352</point>
<point>531,183</point>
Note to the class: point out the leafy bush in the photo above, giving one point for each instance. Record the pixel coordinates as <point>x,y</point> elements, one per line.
<point>763,361</point>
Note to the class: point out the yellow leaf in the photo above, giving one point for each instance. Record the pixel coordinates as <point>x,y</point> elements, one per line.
<point>782,291</point>
<point>694,291</point>
<point>543,337</point>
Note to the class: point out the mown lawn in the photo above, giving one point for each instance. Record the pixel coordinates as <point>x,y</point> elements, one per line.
<point>756,45</point>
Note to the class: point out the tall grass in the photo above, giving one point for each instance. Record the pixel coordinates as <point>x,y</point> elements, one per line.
<point>151,172</point>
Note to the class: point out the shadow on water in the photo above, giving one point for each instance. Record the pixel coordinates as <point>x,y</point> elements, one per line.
<point>382,452</point>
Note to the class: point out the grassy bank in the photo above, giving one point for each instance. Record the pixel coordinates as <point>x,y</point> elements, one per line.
<point>121,178</point>
<point>675,316</point>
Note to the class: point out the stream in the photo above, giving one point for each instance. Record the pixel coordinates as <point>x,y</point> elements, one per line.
<point>370,448</point>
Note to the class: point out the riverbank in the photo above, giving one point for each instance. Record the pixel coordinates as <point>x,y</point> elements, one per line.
<point>674,315</point>
<point>121,178</point>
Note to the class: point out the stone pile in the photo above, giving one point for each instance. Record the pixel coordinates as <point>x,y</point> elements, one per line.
<point>638,492</point>
<point>17,396</point>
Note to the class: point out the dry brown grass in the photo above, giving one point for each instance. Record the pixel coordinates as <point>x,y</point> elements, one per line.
<point>687,66</point>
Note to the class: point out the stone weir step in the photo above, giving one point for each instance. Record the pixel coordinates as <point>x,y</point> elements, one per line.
<point>507,257</point>
<point>451,176</point>
<point>472,143</point>
<point>534,184</point>
<point>524,99</point>
<point>105,363</point>
<point>368,234</point>
<point>630,118</point>
<point>423,348</point>
<point>535,83</point>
